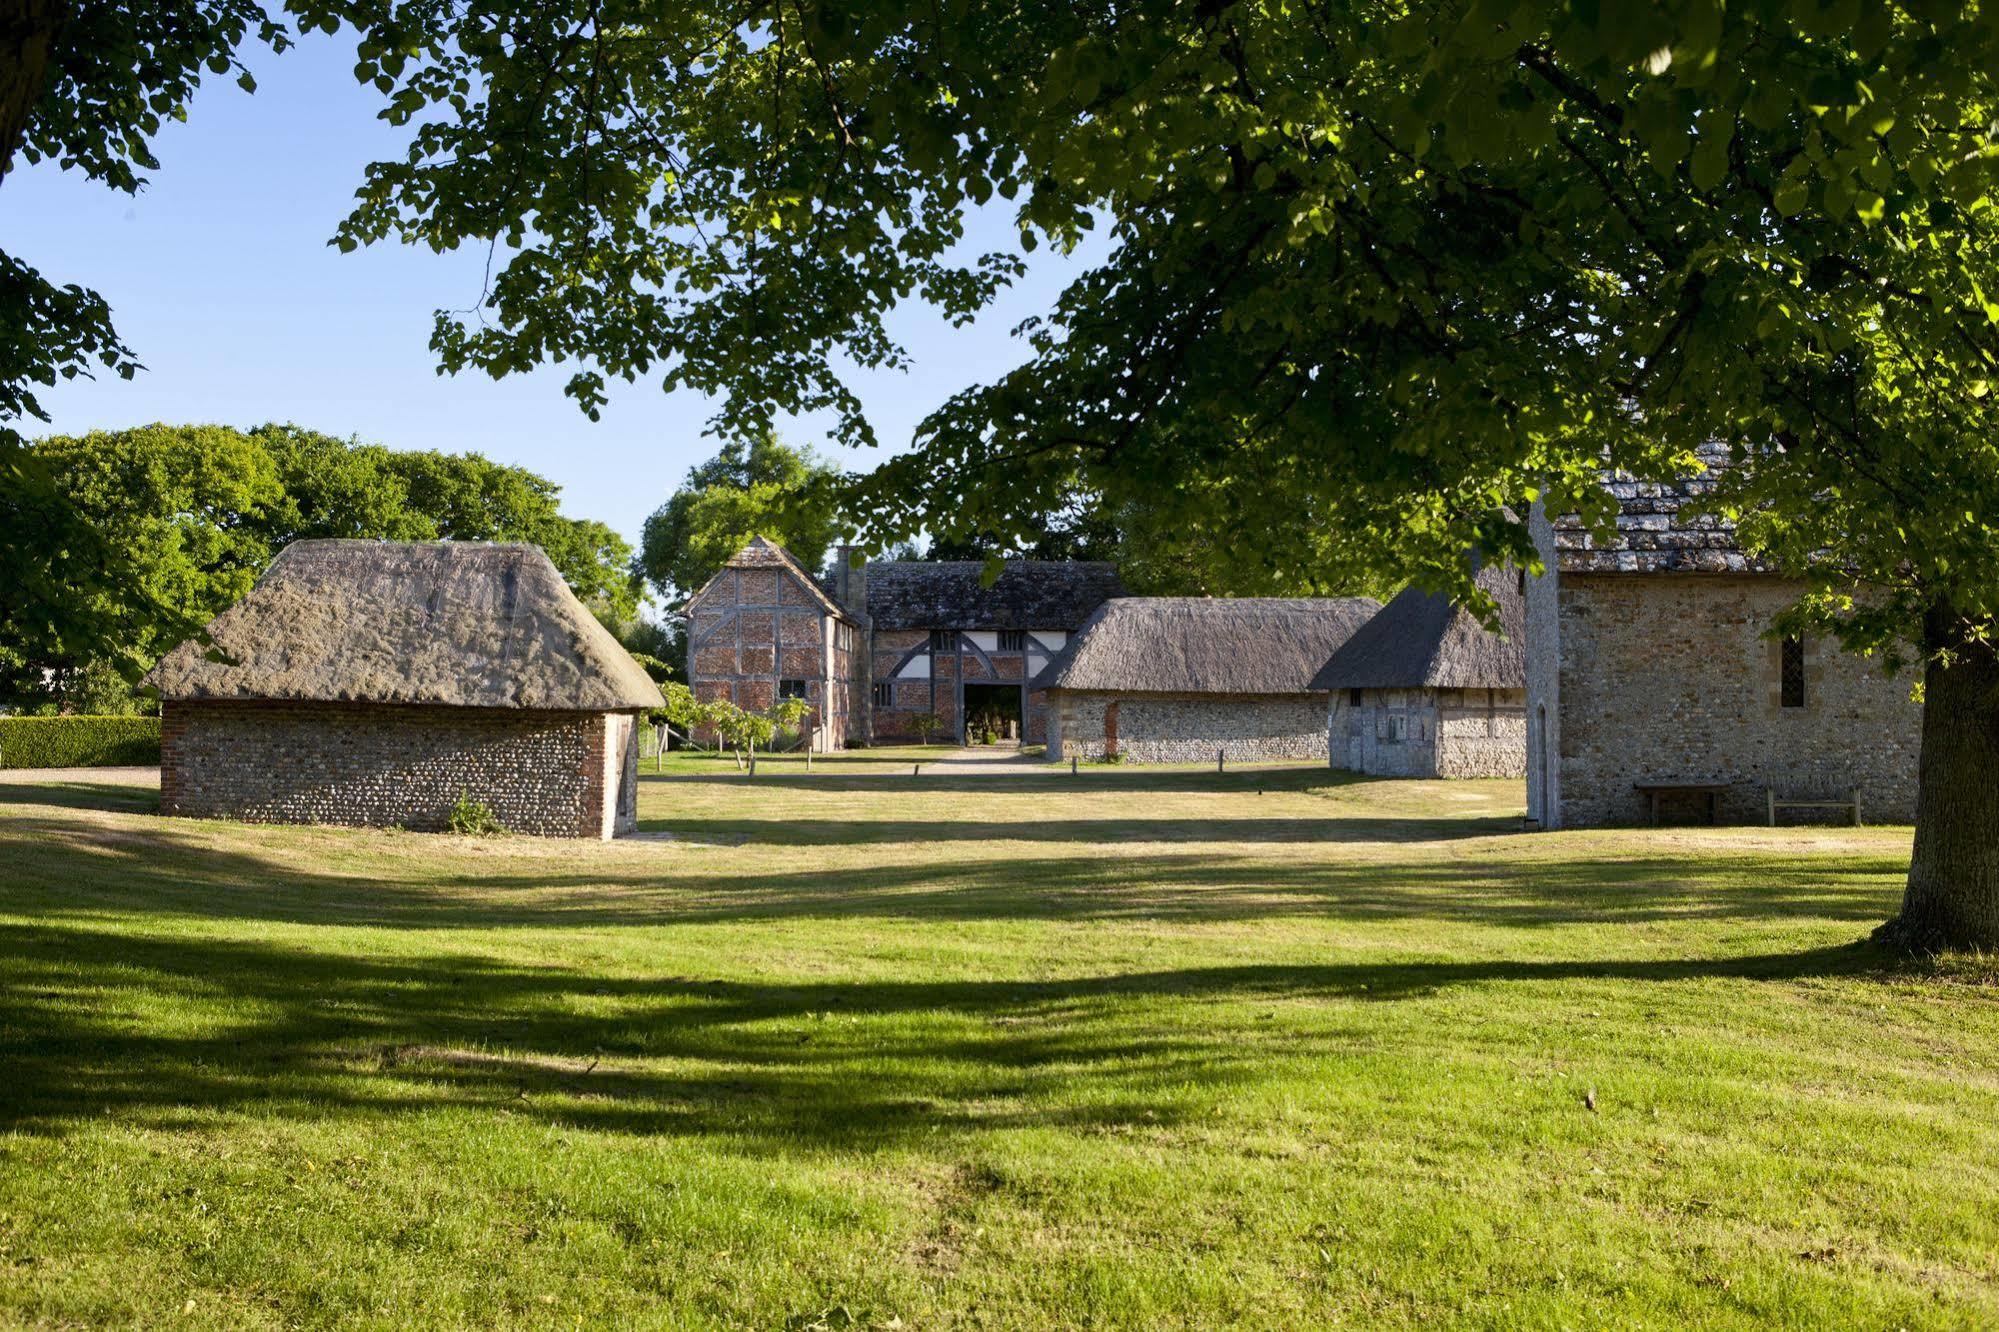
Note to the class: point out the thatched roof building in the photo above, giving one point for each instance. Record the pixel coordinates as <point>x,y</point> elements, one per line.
<point>1182,679</point>
<point>1207,645</point>
<point>1421,640</point>
<point>373,682</point>
<point>1425,690</point>
<point>448,623</point>
<point>764,628</point>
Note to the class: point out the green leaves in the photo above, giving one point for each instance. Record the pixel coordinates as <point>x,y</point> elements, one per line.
<point>765,488</point>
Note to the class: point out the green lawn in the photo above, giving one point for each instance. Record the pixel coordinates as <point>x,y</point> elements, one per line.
<point>1127,1048</point>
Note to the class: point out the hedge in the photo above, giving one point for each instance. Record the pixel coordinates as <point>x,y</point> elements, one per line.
<point>78,742</point>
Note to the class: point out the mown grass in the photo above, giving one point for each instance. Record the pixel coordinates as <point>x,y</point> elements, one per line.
<point>1129,1048</point>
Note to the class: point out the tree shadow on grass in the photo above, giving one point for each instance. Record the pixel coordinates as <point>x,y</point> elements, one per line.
<point>1108,831</point>
<point>160,869</point>
<point>122,798</point>
<point>780,1066</point>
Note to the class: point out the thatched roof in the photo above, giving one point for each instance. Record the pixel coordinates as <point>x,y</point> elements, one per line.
<point>951,594</point>
<point>1422,641</point>
<point>1655,533</point>
<point>1206,645</point>
<point>454,623</point>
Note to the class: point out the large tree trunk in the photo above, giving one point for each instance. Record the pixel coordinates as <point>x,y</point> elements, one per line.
<point>1952,899</point>
<point>28,32</point>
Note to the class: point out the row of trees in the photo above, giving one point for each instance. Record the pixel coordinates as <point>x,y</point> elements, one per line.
<point>197,512</point>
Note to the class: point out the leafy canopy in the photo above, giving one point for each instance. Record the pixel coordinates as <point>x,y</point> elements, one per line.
<point>762,487</point>
<point>1383,273</point>
<point>86,86</point>
<point>198,511</point>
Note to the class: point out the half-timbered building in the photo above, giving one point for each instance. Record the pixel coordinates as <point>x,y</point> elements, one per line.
<point>876,647</point>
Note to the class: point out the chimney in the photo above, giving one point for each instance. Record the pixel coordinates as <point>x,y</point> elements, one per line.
<point>850,580</point>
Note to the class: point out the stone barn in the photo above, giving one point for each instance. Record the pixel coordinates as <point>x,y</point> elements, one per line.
<point>1181,679</point>
<point>1652,670</point>
<point>1425,690</point>
<point>763,629</point>
<point>374,683</point>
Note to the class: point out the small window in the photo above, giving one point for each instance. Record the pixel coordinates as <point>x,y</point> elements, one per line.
<point>884,694</point>
<point>943,640</point>
<point>1013,640</point>
<point>791,689</point>
<point>1791,672</point>
<point>1353,698</point>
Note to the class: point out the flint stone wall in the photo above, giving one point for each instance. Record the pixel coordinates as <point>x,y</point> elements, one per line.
<point>1190,728</point>
<point>553,774</point>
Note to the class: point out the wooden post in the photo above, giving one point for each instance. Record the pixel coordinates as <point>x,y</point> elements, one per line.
<point>1072,765</point>
<point>1856,807</point>
<point>753,763</point>
<point>1770,799</point>
<point>916,770</point>
<point>1220,756</point>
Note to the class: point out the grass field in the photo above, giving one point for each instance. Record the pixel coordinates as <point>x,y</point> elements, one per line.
<point>1120,1049</point>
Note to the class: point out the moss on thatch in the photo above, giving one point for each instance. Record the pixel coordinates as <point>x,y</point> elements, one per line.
<point>452,623</point>
<point>1206,645</point>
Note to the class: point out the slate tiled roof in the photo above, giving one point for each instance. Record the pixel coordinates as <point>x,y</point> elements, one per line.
<point>950,594</point>
<point>450,623</point>
<point>1423,641</point>
<point>1207,645</point>
<point>1654,534</point>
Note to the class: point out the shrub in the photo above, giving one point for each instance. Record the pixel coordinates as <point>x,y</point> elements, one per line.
<point>78,742</point>
<point>473,818</point>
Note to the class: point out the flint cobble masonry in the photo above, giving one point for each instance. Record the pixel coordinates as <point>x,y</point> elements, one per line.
<point>1191,728</point>
<point>544,773</point>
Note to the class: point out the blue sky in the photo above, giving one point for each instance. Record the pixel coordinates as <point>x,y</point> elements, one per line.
<point>221,281</point>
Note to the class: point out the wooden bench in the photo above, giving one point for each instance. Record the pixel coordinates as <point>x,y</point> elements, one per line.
<point>1653,790</point>
<point>1777,802</point>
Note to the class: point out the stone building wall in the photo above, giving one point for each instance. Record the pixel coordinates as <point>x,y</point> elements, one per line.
<point>751,629</point>
<point>1189,728</point>
<point>1429,732</point>
<point>555,774</point>
<point>1544,691</point>
<point>1669,677</point>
